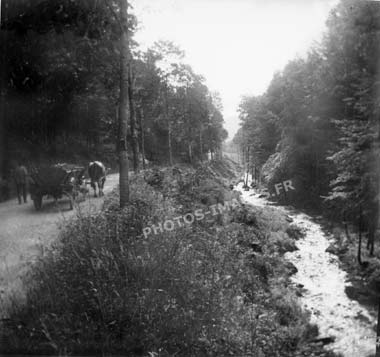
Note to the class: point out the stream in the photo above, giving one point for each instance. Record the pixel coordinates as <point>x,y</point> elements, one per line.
<point>324,282</point>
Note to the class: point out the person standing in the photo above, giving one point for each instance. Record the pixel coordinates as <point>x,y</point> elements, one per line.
<point>21,177</point>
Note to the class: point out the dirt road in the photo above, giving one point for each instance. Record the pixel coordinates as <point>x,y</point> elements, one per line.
<point>25,233</point>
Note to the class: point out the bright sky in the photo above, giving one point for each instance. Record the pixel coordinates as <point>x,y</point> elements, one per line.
<point>236,45</point>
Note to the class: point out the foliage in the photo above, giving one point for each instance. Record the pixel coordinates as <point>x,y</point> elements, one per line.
<point>201,290</point>
<point>322,115</point>
<point>60,87</point>
<point>175,101</point>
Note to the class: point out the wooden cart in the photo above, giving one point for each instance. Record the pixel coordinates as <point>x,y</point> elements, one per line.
<point>55,181</point>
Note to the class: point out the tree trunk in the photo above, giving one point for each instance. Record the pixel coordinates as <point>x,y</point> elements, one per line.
<point>3,136</point>
<point>123,106</point>
<point>170,143</point>
<point>3,93</point>
<point>371,235</point>
<point>169,126</point>
<point>132,126</point>
<point>201,144</point>
<point>378,312</point>
<point>372,229</point>
<point>360,237</point>
<point>247,167</point>
<point>142,136</point>
<point>3,145</point>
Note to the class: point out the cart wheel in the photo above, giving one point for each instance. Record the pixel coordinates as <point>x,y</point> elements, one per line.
<point>37,200</point>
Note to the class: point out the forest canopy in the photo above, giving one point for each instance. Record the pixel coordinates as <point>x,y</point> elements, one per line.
<point>318,122</point>
<point>60,68</point>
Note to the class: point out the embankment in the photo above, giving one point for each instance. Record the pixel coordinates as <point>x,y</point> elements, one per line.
<point>212,286</point>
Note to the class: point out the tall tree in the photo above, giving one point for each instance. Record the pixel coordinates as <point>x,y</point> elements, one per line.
<point>132,127</point>
<point>123,105</point>
<point>3,137</point>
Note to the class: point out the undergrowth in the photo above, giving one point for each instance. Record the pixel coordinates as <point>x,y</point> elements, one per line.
<point>217,287</point>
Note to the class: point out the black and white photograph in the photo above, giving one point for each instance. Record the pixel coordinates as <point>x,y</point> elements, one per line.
<point>190,178</point>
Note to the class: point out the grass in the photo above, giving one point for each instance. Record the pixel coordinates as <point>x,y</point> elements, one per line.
<point>218,287</point>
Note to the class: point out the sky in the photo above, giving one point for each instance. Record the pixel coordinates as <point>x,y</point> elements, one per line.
<point>237,45</point>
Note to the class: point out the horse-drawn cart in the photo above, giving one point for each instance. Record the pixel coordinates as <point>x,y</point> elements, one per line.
<point>55,181</point>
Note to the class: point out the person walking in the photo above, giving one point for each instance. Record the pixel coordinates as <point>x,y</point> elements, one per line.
<point>21,178</point>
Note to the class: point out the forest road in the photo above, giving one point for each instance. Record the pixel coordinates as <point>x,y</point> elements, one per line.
<point>25,232</point>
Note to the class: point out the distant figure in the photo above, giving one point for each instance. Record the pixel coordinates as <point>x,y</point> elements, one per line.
<point>21,178</point>
<point>97,173</point>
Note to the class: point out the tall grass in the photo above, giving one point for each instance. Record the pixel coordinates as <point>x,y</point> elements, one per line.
<point>200,290</point>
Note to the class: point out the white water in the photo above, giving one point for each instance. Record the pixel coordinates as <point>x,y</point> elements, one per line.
<point>319,272</point>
